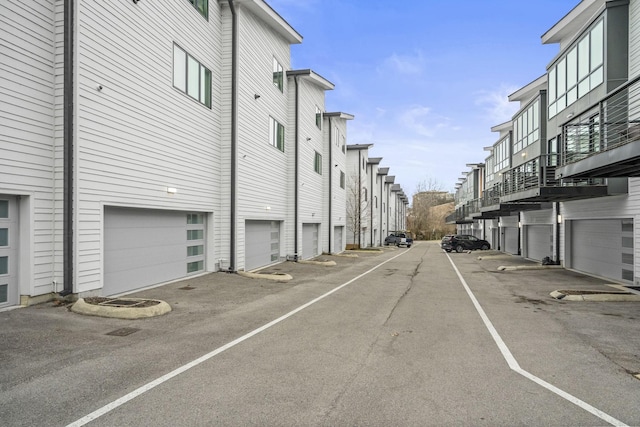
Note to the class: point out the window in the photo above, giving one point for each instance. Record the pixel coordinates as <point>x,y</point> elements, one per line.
<point>278,75</point>
<point>276,134</point>
<point>318,117</point>
<point>527,127</point>
<point>317,163</point>
<point>195,250</point>
<point>342,184</point>
<point>195,219</point>
<point>195,234</point>
<point>364,194</point>
<point>501,154</point>
<point>202,6</point>
<point>579,72</point>
<point>191,77</point>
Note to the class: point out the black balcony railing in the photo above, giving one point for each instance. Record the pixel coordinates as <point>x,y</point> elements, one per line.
<point>612,122</point>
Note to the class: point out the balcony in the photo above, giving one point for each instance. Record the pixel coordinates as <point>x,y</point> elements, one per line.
<point>536,181</point>
<point>604,140</point>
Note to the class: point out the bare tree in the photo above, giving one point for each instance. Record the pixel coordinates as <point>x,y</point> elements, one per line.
<point>430,206</point>
<point>358,209</point>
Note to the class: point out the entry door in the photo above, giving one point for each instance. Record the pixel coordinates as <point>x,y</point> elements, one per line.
<point>8,251</point>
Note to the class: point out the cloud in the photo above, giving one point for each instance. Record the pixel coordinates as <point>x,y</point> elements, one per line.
<point>496,103</point>
<point>403,64</point>
<point>420,120</point>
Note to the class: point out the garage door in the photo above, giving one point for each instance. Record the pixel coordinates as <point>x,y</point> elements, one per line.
<point>262,243</point>
<point>603,247</point>
<point>538,241</point>
<point>144,247</point>
<point>9,294</point>
<point>510,236</point>
<point>338,246</point>
<point>309,240</point>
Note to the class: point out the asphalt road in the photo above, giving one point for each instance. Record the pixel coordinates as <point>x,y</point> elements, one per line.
<point>393,339</point>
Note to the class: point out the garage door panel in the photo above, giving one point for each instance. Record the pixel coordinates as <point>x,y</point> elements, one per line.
<point>597,247</point>
<point>144,247</point>
<point>539,241</point>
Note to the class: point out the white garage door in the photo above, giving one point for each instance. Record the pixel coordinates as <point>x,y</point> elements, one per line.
<point>338,246</point>
<point>309,240</point>
<point>510,236</point>
<point>603,247</point>
<point>144,247</point>
<point>262,243</point>
<point>538,241</point>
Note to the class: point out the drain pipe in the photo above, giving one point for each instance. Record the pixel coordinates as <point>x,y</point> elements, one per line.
<point>234,136</point>
<point>67,216</point>
<point>296,171</point>
<point>330,187</point>
<point>557,233</point>
<point>371,207</point>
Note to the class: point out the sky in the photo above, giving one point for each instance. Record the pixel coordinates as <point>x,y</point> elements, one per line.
<point>425,79</point>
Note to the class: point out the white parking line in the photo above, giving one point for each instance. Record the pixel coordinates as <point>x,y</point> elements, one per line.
<point>513,363</point>
<point>145,388</point>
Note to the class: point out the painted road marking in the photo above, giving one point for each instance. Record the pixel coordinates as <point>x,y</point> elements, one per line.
<point>145,388</point>
<point>513,363</point>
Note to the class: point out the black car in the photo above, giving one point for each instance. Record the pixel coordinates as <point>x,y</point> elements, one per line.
<point>463,242</point>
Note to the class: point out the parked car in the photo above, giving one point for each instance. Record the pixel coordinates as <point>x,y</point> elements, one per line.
<point>463,242</point>
<point>399,239</point>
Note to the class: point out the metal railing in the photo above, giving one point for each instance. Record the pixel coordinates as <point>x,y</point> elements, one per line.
<point>608,124</point>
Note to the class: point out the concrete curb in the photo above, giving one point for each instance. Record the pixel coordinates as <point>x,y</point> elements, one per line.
<point>325,263</point>
<point>279,277</point>
<point>342,254</point>
<point>83,307</point>
<point>527,267</point>
<point>603,297</point>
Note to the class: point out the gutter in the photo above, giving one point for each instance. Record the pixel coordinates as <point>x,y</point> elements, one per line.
<point>359,209</point>
<point>68,142</point>
<point>371,208</point>
<point>234,137</point>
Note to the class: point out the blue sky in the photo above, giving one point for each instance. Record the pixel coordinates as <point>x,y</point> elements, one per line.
<point>425,79</point>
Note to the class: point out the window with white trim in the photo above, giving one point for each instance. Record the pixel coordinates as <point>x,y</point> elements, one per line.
<point>318,117</point>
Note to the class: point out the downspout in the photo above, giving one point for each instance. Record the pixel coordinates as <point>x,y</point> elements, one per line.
<point>557,233</point>
<point>359,210</point>
<point>234,136</point>
<point>381,185</point>
<point>330,187</point>
<point>68,162</point>
<point>371,209</point>
<point>296,172</point>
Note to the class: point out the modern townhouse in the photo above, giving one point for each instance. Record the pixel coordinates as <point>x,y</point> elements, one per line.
<point>145,142</point>
<point>335,189</point>
<point>384,211</point>
<point>110,148</point>
<point>358,195</point>
<point>309,163</point>
<point>375,185</point>
<point>561,179</point>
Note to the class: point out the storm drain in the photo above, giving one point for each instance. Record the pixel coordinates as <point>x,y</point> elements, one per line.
<point>123,332</point>
<point>123,302</point>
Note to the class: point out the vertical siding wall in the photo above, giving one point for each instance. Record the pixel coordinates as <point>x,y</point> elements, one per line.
<point>262,168</point>
<point>139,135</point>
<point>30,118</point>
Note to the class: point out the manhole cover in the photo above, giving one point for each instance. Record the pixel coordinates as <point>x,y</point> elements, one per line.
<point>123,332</point>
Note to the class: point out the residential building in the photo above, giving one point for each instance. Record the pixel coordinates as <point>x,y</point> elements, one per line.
<point>562,179</point>
<point>195,149</point>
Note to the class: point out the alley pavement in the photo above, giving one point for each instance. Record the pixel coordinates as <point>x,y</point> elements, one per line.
<point>52,356</point>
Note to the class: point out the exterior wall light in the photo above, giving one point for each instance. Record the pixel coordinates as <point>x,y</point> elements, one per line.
<point>172,190</point>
